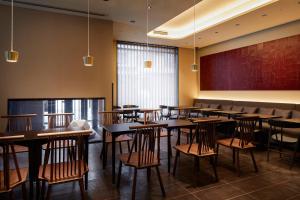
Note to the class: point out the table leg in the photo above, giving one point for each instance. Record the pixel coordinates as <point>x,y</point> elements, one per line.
<point>113,157</point>
<point>169,150</point>
<point>34,154</point>
<point>86,152</point>
<point>104,148</point>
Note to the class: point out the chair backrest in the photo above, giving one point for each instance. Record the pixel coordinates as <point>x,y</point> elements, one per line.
<point>16,123</point>
<point>5,167</point>
<point>59,120</point>
<point>109,117</point>
<point>163,110</point>
<point>64,157</point>
<point>204,138</point>
<point>146,141</point>
<point>151,116</point>
<point>277,126</point>
<point>184,113</point>
<point>245,129</point>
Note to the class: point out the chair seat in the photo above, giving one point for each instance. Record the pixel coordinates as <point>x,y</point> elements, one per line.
<point>236,143</point>
<point>184,148</point>
<point>18,149</point>
<point>121,138</point>
<point>134,160</point>
<point>13,179</point>
<point>186,131</point>
<point>71,143</point>
<point>64,174</point>
<point>285,138</point>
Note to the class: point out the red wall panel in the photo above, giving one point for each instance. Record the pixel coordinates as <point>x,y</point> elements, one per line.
<point>273,65</point>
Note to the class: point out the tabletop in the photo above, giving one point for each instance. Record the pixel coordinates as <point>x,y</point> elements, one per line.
<point>260,116</point>
<point>42,134</point>
<point>19,116</point>
<point>56,114</point>
<point>120,128</point>
<point>176,123</point>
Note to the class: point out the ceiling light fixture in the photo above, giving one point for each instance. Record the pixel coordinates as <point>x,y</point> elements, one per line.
<point>147,62</point>
<point>210,14</point>
<point>194,65</point>
<point>88,60</point>
<point>12,56</point>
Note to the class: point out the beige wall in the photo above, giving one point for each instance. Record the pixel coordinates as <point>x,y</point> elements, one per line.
<point>188,80</point>
<point>262,36</point>
<point>51,47</point>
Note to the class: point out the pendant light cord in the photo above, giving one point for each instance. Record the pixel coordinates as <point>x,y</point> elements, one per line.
<point>12,26</point>
<point>148,8</point>
<point>88,28</point>
<point>194,32</point>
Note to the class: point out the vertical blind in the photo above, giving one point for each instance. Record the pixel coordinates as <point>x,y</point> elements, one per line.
<point>147,88</point>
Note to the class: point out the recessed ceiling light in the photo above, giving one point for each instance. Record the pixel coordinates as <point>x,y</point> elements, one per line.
<point>264,15</point>
<point>208,14</point>
<point>216,32</point>
<point>132,21</point>
<point>199,38</point>
<point>105,0</point>
<point>237,24</point>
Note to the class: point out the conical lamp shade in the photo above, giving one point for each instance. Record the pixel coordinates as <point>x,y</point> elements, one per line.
<point>88,61</point>
<point>194,67</point>
<point>148,64</point>
<point>11,56</point>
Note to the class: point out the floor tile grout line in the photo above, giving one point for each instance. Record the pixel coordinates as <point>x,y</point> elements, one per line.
<point>247,193</point>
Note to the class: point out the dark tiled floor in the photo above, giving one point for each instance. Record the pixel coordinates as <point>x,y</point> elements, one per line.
<point>273,181</point>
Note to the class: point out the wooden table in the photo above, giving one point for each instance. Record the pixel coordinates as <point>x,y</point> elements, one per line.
<point>261,117</point>
<point>175,124</point>
<point>115,130</point>
<point>34,141</point>
<point>228,113</point>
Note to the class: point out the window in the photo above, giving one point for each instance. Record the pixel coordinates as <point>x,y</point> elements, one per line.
<point>147,88</point>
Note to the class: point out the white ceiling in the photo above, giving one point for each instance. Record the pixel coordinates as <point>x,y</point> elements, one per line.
<point>123,11</point>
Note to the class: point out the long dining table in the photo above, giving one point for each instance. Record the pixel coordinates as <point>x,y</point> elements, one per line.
<point>34,141</point>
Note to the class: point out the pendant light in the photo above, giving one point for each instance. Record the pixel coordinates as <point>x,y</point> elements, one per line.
<point>12,55</point>
<point>88,60</point>
<point>194,65</point>
<point>148,62</point>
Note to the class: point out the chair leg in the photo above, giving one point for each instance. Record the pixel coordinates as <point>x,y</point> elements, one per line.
<point>213,163</point>
<point>24,192</point>
<point>233,155</point>
<point>238,163</point>
<point>120,146</point>
<point>253,160</point>
<point>49,192</point>
<point>43,189</point>
<point>101,154</point>
<point>160,181</point>
<point>294,154</point>
<point>119,174</point>
<point>128,146</point>
<point>148,173</point>
<point>81,188</point>
<point>175,162</point>
<point>134,184</point>
<point>217,150</point>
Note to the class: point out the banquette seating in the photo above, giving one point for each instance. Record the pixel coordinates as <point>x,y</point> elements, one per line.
<point>284,110</point>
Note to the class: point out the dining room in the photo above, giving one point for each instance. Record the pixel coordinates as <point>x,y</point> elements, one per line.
<point>150,99</point>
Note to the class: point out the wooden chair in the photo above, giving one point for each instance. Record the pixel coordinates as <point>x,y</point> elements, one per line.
<point>129,115</point>
<point>58,167</point>
<point>108,118</point>
<point>59,120</point>
<point>11,177</point>
<point>164,112</point>
<point>241,140</point>
<point>202,145</point>
<point>144,153</point>
<point>282,139</point>
<point>19,123</point>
